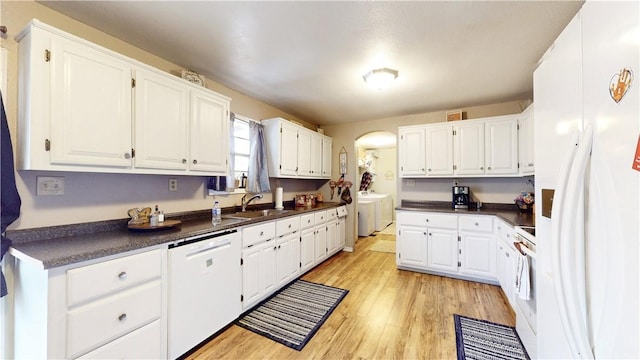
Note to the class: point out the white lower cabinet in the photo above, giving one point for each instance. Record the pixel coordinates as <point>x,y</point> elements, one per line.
<point>321,237</point>
<point>259,259</point>
<point>447,244</point>
<point>506,260</point>
<point>108,309</point>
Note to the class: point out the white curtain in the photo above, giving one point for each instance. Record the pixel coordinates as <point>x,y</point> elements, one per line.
<point>258,177</point>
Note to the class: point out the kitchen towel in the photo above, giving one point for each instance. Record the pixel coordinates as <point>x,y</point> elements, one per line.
<point>279,198</point>
<point>523,283</point>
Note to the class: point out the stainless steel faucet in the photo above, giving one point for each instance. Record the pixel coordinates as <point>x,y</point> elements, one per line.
<point>246,202</point>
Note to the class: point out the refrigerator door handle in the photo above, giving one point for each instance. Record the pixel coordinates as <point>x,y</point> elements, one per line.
<point>557,224</point>
<point>572,245</point>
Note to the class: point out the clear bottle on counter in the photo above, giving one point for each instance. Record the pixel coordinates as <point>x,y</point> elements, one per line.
<point>216,214</point>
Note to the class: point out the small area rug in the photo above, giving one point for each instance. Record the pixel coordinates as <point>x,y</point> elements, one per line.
<point>294,314</point>
<point>481,339</point>
<point>388,246</point>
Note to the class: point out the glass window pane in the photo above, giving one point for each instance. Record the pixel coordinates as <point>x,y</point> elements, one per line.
<point>242,146</point>
<point>241,129</point>
<point>241,163</point>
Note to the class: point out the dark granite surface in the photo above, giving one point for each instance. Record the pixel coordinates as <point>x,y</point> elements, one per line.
<point>507,212</point>
<point>57,246</point>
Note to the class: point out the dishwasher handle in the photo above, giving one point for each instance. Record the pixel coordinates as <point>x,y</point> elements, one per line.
<point>193,239</point>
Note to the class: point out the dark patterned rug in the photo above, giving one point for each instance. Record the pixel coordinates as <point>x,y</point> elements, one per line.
<point>294,314</point>
<point>481,339</point>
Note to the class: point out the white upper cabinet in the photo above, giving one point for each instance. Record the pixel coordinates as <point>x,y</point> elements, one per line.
<point>161,121</point>
<point>486,147</point>
<point>525,142</point>
<point>295,151</point>
<point>439,144</point>
<point>327,142</point>
<point>469,148</point>
<point>209,132</point>
<point>501,145</point>
<point>412,151</point>
<point>86,108</point>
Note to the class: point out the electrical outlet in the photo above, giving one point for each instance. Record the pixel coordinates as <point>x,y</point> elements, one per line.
<point>411,182</point>
<point>456,182</point>
<point>50,185</point>
<point>173,184</point>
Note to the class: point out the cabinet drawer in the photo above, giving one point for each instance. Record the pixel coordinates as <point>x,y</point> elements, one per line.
<point>342,211</point>
<point>442,221</point>
<point>144,343</point>
<point>287,225</point>
<point>320,217</point>
<point>92,281</point>
<point>332,214</point>
<point>476,223</point>
<point>102,321</point>
<point>307,220</point>
<point>254,234</point>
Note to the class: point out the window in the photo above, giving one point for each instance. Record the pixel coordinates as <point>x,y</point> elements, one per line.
<point>241,146</point>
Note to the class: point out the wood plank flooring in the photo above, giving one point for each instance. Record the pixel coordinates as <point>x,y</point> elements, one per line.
<point>388,313</point>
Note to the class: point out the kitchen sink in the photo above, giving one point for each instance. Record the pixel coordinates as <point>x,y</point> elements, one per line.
<point>255,214</point>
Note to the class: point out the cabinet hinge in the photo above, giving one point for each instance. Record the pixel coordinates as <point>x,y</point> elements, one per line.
<point>518,126</point>
<point>459,251</point>
<point>401,168</point>
<point>280,166</point>
<point>518,165</point>
<point>133,83</point>
<point>300,265</point>
<point>455,167</point>
<point>47,55</point>
<point>241,298</point>
<point>280,129</point>
<point>401,137</point>
<point>47,145</point>
<point>399,232</point>
<point>399,256</point>
<point>459,239</point>
<point>241,261</point>
<point>454,133</point>
<point>133,152</point>
<point>459,264</point>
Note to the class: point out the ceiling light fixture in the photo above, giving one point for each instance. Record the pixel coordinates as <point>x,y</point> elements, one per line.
<point>380,78</point>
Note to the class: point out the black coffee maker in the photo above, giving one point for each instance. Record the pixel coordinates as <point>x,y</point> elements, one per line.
<point>460,195</point>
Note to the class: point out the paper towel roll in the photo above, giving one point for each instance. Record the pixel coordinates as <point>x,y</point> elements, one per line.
<point>279,199</point>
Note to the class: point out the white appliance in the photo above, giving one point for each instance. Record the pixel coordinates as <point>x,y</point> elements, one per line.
<point>366,218</point>
<point>587,251</point>
<point>205,284</point>
<point>383,204</point>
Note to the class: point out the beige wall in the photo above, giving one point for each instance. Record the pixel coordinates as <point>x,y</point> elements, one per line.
<point>94,197</point>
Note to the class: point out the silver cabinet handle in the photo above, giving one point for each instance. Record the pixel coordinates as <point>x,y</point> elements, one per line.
<point>122,317</point>
<point>489,168</point>
<point>261,233</point>
<point>476,224</point>
<point>122,276</point>
<point>481,167</point>
<point>195,161</point>
<point>127,155</point>
<point>427,220</point>
<point>530,164</point>
<point>184,161</point>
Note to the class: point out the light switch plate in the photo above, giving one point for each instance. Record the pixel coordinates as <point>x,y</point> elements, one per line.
<point>50,185</point>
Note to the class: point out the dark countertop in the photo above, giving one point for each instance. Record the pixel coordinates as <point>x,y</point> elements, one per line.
<point>57,246</point>
<point>507,212</point>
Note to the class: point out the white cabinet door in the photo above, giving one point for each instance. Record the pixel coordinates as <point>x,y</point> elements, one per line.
<point>501,146</point>
<point>307,249</point>
<point>321,243</point>
<point>478,255</point>
<point>342,229</point>
<point>209,133</point>
<point>412,246</point>
<point>332,237</point>
<point>304,155</point>
<point>90,109</point>
<point>411,151</point>
<point>526,150</point>
<point>288,149</point>
<point>250,276</point>
<point>442,250</point>
<point>315,153</point>
<point>326,157</point>
<point>161,122</point>
<point>268,268</point>
<point>439,145</point>
<point>283,267</point>
<point>469,149</point>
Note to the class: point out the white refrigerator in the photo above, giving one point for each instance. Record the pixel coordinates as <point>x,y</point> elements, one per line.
<point>587,128</point>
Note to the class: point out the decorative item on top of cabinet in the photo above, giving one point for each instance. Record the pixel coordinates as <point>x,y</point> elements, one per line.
<point>192,77</point>
<point>454,115</point>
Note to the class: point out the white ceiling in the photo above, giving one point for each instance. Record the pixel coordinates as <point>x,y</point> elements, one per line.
<point>307,58</point>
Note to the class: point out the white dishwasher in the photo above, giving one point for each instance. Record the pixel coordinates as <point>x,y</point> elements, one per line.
<point>205,284</point>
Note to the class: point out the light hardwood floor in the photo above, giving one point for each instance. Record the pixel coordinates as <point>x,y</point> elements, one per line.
<point>388,313</point>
